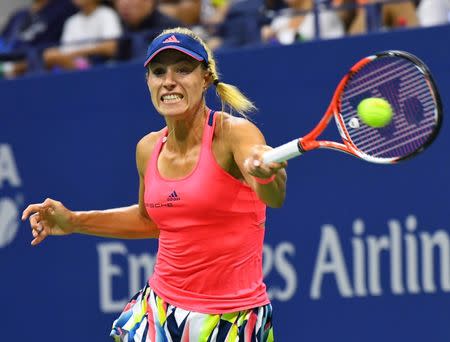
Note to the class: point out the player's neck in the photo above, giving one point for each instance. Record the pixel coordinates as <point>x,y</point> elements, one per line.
<point>186,133</point>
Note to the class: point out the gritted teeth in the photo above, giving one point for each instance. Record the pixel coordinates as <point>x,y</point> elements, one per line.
<point>171,97</point>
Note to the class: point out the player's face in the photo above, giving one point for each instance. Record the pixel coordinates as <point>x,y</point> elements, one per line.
<point>176,83</point>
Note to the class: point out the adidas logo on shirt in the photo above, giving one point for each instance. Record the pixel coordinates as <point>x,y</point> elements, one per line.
<point>173,196</point>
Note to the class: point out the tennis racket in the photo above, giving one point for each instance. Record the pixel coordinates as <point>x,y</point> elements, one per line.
<point>398,77</point>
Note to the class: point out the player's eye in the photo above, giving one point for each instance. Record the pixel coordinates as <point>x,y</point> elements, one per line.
<point>184,69</point>
<point>158,71</point>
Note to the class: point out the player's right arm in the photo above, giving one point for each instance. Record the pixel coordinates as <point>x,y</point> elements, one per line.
<point>53,218</point>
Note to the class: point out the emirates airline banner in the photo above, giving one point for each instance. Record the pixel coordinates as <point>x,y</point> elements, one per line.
<point>359,252</point>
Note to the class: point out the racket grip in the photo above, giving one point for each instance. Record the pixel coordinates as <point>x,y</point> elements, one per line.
<point>283,152</point>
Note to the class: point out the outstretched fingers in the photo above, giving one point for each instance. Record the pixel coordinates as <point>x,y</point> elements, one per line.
<point>46,206</point>
<point>36,214</point>
<point>40,232</point>
<point>37,229</point>
<point>30,210</point>
<point>35,224</point>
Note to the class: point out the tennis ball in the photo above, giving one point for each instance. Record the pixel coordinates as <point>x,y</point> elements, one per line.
<point>375,112</point>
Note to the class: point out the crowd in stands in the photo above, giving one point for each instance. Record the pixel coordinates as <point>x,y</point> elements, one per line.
<point>53,35</point>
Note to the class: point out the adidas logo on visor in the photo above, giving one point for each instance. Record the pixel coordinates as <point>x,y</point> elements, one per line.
<point>171,39</point>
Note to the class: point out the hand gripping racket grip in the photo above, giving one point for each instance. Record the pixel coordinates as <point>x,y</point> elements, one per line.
<point>284,152</point>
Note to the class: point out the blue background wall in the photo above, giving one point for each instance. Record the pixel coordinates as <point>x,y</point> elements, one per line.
<point>72,137</point>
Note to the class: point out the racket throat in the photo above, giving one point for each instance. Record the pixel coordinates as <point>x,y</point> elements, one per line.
<point>307,145</point>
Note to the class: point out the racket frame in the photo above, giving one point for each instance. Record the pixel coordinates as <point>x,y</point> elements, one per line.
<point>308,142</point>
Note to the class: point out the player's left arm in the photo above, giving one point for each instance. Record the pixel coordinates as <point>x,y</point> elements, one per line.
<point>248,145</point>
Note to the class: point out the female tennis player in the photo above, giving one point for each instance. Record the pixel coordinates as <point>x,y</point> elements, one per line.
<point>203,193</point>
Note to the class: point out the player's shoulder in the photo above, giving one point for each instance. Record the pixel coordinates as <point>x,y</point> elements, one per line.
<point>233,123</point>
<point>149,140</point>
<point>146,144</point>
<point>232,127</point>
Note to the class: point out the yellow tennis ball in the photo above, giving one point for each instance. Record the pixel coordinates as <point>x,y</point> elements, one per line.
<point>375,112</point>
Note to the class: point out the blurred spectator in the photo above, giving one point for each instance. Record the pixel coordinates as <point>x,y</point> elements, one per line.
<point>240,25</point>
<point>433,12</point>
<point>37,26</point>
<point>296,23</point>
<point>218,22</point>
<point>88,37</point>
<point>372,15</point>
<point>214,11</point>
<point>188,12</point>
<point>213,16</point>
<point>140,16</point>
<point>274,5</point>
<point>40,23</point>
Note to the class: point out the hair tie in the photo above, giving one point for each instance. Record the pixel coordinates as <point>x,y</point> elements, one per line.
<point>216,82</point>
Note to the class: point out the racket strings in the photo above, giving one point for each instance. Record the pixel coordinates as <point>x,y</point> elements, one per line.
<point>404,85</point>
<point>367,136</point>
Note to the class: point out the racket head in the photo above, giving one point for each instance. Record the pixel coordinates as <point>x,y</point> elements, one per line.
<point>407,84</point>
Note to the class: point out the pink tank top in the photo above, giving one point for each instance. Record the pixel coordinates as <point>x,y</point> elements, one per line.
<point>210,244</point>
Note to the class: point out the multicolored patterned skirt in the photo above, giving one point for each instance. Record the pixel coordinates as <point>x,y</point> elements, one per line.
<point>147,318</point>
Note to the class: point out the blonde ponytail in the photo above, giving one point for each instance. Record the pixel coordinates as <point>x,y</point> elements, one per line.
<point>233,97</point>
